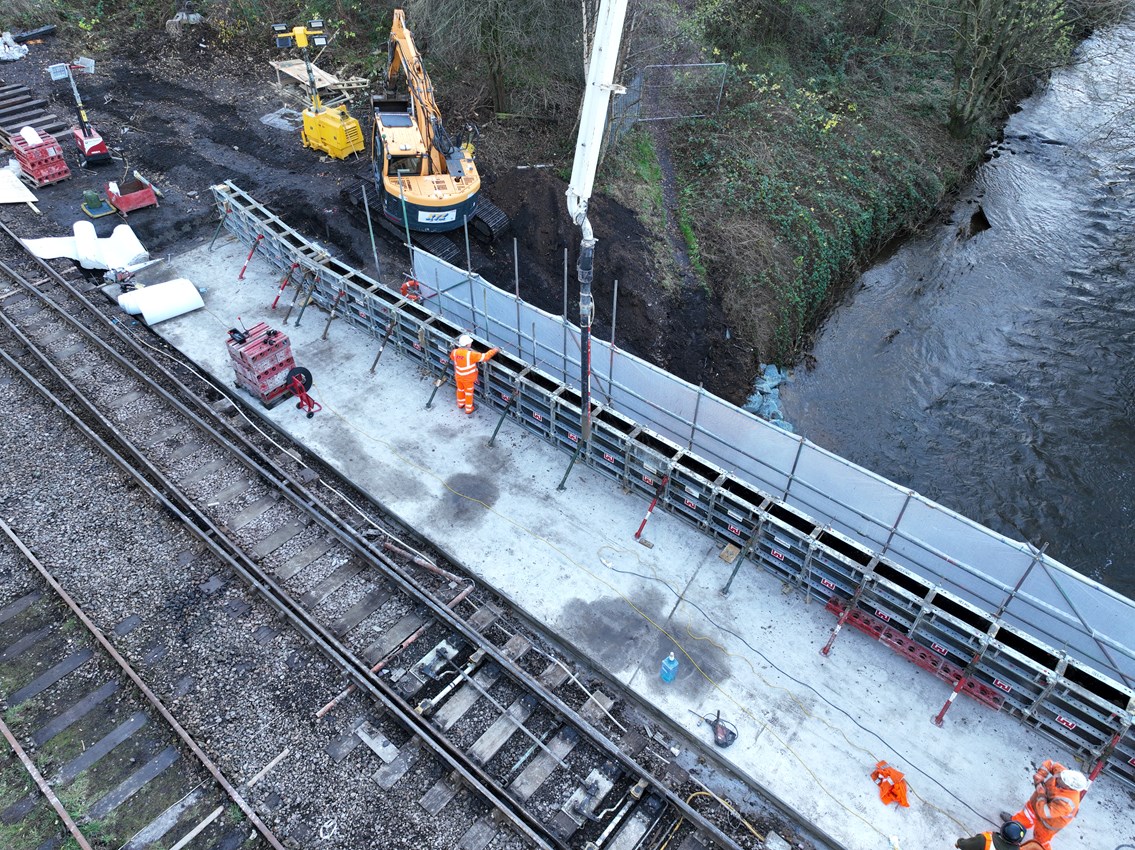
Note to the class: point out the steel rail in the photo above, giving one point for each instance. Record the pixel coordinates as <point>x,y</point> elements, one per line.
<point>33,771</point>
<point>182,506</point>
<point>206,762</point>
<point>337,527</point>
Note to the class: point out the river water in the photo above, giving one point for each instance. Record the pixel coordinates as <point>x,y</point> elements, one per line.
<point>994,371</point>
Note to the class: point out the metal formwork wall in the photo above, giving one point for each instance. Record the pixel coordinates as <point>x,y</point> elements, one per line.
<point>960,601</point>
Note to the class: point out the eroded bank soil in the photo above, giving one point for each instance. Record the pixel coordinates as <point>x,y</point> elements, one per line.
<point>188,115</point>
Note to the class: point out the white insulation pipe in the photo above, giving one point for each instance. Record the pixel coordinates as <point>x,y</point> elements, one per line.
<point>162,301</point>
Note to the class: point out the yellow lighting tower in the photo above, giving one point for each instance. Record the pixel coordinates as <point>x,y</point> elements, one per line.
<point>328,129</point>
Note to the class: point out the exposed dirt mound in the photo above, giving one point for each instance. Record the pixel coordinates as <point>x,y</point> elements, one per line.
<point>187,116</point>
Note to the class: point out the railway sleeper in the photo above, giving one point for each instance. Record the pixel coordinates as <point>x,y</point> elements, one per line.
<point>632,830</point>
<point>581,805</point>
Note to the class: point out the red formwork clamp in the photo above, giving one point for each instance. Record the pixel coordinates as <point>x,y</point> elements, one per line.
<point>257,241</point>
<point>299,382</point>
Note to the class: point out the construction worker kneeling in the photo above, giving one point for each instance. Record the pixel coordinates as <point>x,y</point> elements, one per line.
<point>465,361</point>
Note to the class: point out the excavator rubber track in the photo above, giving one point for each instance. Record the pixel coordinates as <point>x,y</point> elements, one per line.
<point>435,243</point>
<point>489,222</point>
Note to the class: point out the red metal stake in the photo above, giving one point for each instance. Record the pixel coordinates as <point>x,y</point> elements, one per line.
<point>259,237</point>
<point>653,502</point>
<point>284,284</point>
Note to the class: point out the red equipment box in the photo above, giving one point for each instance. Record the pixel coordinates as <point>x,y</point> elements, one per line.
<point>135,193</point>
<point>262,359</point>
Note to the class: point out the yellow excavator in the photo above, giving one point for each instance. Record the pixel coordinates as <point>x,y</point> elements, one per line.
<point>426,180</point>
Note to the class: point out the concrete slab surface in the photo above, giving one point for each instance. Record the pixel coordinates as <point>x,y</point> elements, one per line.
<point>811,729</point>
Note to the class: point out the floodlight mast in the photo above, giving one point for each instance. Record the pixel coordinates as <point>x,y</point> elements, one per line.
<point>592,122</point>
<point>301,36</point>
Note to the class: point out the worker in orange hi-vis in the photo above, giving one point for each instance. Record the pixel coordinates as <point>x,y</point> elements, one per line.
<point>1009,837</point>
<point>1054,804</point>
<point>465,361</point>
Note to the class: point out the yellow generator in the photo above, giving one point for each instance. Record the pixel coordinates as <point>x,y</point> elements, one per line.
<point>332,131</point>
<point>328,129</point>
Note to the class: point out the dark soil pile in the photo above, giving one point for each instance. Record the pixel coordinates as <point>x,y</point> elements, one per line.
<point>187,115</point>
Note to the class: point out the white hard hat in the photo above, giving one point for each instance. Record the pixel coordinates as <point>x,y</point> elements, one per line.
<point>464,340</point>
<point>1074,779</point>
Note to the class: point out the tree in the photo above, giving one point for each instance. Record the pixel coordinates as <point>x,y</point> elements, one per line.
<point>999,46</point>
<point>527,48</point>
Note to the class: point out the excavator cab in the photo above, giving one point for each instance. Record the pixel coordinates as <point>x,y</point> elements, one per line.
<point>407,166</point>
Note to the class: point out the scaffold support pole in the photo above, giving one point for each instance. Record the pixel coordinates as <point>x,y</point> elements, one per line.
<point>852,605</point>
<point>578,451</point>
<point>385,339</point>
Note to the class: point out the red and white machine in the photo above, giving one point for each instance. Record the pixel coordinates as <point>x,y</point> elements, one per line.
<point>92,148</point>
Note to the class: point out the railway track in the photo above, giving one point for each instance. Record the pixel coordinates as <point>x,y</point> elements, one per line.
<point>427,712</point>
<point>105,757</point>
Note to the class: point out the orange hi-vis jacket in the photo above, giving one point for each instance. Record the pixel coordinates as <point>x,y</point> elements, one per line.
<point>892,784</point>
<point>1054,807</point>
<point>465,362</point>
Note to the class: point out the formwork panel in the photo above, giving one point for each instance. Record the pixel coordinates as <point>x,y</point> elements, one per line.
<point>896,563</point>
<point>649,458</point>
<point>566,430</point>
<point>694,488</point>
<point>503,381</point>
<point>832,574</point>
<point>607,451</point>
<point>536,403</point>
<point>779,548</point>
<point>737,511</point>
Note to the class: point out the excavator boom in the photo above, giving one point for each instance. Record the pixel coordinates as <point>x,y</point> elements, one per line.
<point>404,58</point>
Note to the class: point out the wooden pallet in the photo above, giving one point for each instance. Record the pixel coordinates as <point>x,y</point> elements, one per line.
<point>19,108</point>
<point>292,83</point>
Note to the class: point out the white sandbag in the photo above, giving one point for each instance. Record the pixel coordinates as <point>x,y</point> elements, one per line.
<point>30,135</point>
<point>10,50</point>
<point>161,301</point>
<point>87,245</point>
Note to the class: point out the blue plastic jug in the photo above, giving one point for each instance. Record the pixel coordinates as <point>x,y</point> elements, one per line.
<point>669,668</point>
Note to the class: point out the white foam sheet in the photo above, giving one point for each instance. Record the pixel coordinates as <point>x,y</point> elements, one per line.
<point>12,191</point>
<point>161,301</point>
<point>119,250</point>
<point>87,246</point>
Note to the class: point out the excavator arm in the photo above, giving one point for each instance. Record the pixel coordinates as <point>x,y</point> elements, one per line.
<point>404,57</point>
<point>427,182</point>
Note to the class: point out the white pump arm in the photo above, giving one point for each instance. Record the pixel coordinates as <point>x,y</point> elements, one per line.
<point>592,122</point>
<point>593,115</point>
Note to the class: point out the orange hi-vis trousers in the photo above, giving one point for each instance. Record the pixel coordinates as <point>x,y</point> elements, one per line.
<point>465,362</point>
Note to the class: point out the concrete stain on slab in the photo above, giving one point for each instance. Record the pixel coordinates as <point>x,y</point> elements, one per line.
<point>467,496</point>
<point>610,631</point>
<point>396,478</point>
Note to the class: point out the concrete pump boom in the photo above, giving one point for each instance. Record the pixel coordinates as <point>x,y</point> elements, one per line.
<point>592,122</point>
